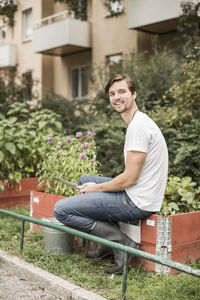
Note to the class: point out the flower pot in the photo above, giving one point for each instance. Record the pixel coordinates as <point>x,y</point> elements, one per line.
<point>57,241</point>
<point>18,194</point>
<point>176,237</point>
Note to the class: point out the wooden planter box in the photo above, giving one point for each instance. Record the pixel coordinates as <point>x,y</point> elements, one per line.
<point>175,237</point>
<point>42,206</point>
<point>19,193</point>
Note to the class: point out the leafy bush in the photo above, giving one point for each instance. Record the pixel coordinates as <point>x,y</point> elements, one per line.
<point>67,158</point>
<point>14,88</point>
<point>22,139</point>
<point>179,118</point>
<point>181,196</point>
<point>153,73</point>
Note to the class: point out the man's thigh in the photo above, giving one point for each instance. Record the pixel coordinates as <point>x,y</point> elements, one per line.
<point>108,206</point>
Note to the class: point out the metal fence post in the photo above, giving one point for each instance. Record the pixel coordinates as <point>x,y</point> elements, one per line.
<point>125,274</point>
<point>22,235</point>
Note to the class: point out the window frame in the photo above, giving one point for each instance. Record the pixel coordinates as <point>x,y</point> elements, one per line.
<point>79,68</point>
<point>27,38</point>
<point>3,30</point>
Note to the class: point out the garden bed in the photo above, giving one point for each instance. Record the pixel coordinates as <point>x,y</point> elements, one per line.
<point>18,194</point>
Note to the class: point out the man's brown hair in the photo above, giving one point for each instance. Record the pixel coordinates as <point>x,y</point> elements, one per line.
<point>119,77</point>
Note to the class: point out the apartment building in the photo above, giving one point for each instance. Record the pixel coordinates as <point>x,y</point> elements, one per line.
<point>59,48</point>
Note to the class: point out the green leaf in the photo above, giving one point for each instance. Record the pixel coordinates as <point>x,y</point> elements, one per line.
<point>20,146</point>
<point>12,119</point>
<point>11,148</point>
<point>58,125</point>
<point>186,181</point>
<point>1,156</point>
<point>2,117</point>
<point>174,206</point>
<point>42,124</point>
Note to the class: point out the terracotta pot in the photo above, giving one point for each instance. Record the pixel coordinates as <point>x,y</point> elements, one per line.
<point>176,237</point>
<point>18,194</point>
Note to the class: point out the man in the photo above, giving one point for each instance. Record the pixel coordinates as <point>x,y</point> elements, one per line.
<point>134,194</point>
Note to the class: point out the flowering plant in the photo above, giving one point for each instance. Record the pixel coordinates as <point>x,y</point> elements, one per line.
<point>67,158</point>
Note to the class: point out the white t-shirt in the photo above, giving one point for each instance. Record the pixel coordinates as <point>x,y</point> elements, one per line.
<point>145,136</point>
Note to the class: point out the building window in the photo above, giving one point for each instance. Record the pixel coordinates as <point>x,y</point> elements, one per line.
<point>79,82</point>
<point>2,33</point>
<point>113,62</point>
<point>27,19</point>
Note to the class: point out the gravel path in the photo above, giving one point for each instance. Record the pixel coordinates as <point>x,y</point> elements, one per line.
<point>13,287</point>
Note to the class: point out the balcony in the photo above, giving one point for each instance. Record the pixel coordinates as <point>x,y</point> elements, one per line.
<point>154,16</point>
<point>7,56</point>
<point>61,34</point>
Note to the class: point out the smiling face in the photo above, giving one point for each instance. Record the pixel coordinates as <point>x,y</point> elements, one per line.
<point>121,98</point>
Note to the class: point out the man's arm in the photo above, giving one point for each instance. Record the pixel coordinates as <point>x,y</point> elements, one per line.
<point>134,163</point>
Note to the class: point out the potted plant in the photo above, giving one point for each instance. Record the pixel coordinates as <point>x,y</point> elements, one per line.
<point>64,157</point>
<point>22,133</point>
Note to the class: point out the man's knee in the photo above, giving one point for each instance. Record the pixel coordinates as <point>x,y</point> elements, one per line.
<point>58,211</point>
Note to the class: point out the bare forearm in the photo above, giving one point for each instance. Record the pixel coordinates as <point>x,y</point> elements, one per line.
<point>118,183</point>
<point>129,177</point>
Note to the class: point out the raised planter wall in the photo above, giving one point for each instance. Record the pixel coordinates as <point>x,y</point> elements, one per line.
<point>176,237</point>
<point>42,206</point>
<point>18,194</point>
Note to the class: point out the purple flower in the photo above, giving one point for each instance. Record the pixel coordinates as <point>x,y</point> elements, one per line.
<point>59,143</point>
<point>93,160</point>
<point>64,153</point>
<point>58,146</point>
<point>85,145</point>
<point>89,134</point>
<point>50,140</point>
<point>69,140</point>
<point>79,134</point>
<point>82,155</point>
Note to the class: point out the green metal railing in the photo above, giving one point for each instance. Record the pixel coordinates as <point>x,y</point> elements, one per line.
<point>128,250</point>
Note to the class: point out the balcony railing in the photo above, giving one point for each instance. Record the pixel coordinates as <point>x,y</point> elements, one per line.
<point>154,16</point>
<point>61,34</point>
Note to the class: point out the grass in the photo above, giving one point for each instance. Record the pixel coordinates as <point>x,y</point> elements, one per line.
<point>90,274</point>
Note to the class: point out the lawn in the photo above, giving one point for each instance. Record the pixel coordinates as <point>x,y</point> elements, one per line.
<point>90,274</point>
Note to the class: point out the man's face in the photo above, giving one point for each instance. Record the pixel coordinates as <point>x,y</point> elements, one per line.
<point>121,98</point>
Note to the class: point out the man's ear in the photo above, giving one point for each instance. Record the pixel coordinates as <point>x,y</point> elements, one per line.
<point>134,95</point>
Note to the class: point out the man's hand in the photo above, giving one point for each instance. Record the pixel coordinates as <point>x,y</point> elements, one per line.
<point>89,187</point>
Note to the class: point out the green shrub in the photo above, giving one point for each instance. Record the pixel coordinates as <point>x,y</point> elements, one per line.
<point>67,158</point>
<point>179,119</point>
<point>181,196</point>
<point>22,139</point>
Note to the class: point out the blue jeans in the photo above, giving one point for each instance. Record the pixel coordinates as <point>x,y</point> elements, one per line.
<point>82,211</point>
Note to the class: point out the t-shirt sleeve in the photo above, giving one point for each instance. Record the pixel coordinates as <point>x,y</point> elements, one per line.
<point>137,139</point>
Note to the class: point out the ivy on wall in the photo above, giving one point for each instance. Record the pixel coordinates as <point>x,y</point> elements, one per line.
<point>114,7</point>
<point>7,11</point>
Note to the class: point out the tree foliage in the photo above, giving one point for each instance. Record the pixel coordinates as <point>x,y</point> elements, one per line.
<point>179,119</point>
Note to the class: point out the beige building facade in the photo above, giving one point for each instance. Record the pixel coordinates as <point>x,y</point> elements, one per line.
<point>61,49</point>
